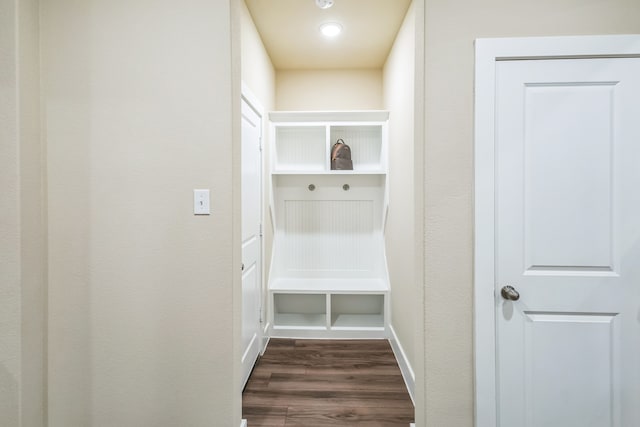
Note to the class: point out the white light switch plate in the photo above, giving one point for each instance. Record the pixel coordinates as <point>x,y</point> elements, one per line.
<point>201,202</point>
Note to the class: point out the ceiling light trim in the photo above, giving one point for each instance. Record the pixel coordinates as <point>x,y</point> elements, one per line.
<point>324,4</point>
<point>330,29</point>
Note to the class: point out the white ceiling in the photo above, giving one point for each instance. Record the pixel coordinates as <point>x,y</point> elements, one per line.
<point>290,32</point>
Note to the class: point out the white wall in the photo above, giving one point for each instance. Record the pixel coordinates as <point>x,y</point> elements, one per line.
<point>22,221</point>
<point>10,290</point>
<point>451,27</point>
<point>398,84</point>
<point>329,90</point>
<point>257,70</point>
<point>140,104</point>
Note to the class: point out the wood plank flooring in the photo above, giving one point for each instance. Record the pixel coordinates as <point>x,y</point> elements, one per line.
<point>327,383</point>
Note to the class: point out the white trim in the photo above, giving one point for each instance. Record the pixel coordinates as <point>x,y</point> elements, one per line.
<point>243,423</point>
<point>484,334</point>
<point>265,338</point>
<point>488,51</point>
<point>253,101</point>
<point>329,116</point>
<point>404,364</point>
<point>309,333</point>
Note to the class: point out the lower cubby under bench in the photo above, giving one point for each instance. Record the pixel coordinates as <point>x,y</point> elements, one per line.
<point>329,308</point>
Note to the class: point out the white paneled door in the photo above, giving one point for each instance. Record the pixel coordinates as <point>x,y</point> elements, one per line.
<point>251,238</point>
<point>567,242</point>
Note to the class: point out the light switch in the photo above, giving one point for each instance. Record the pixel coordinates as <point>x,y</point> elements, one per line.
<point>201,202</point>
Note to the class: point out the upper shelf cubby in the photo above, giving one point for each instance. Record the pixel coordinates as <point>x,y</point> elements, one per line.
<point>300,148</point>
<point>303,141</point>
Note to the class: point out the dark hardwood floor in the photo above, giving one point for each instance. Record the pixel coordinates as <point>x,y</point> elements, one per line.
<point>327,383</point>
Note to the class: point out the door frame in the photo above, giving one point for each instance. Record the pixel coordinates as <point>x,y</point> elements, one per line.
<point>488,52</point>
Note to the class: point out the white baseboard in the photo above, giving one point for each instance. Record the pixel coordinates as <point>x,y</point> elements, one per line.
<point>243,423</point>
<point>403,362</point>
<point>265,338</point>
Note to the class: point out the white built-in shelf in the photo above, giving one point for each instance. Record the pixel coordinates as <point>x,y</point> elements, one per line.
<point>300,321</point>
<point>328,116</point>
<point>357,311</point>
<point>329,285</point>
<point>300,311</point>
<point>328,277</point>
<point>358,322</point>
<point>351,311</point>
<point>333,172</point>
<point>303,141</point>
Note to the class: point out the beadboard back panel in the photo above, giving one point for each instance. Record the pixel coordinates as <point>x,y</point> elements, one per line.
<point>323,235</point>
<point>301,147</point>
<point>365,143</point>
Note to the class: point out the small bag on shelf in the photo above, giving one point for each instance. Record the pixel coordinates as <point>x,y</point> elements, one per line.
<point>341,156</point>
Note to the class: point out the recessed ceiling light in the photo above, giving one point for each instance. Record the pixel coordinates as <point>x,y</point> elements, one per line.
<point>324,4</point>
<point>330,29</point>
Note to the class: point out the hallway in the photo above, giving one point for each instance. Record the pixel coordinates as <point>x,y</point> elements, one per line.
<point>327,383</point>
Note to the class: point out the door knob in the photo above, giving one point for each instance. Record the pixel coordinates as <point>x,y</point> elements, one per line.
<point>508,292</point>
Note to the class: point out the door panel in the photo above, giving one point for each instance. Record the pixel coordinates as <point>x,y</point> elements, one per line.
<point>251,238</point>
<point>568,239</point>
<point>568,367</point>
<point>567,161</point>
